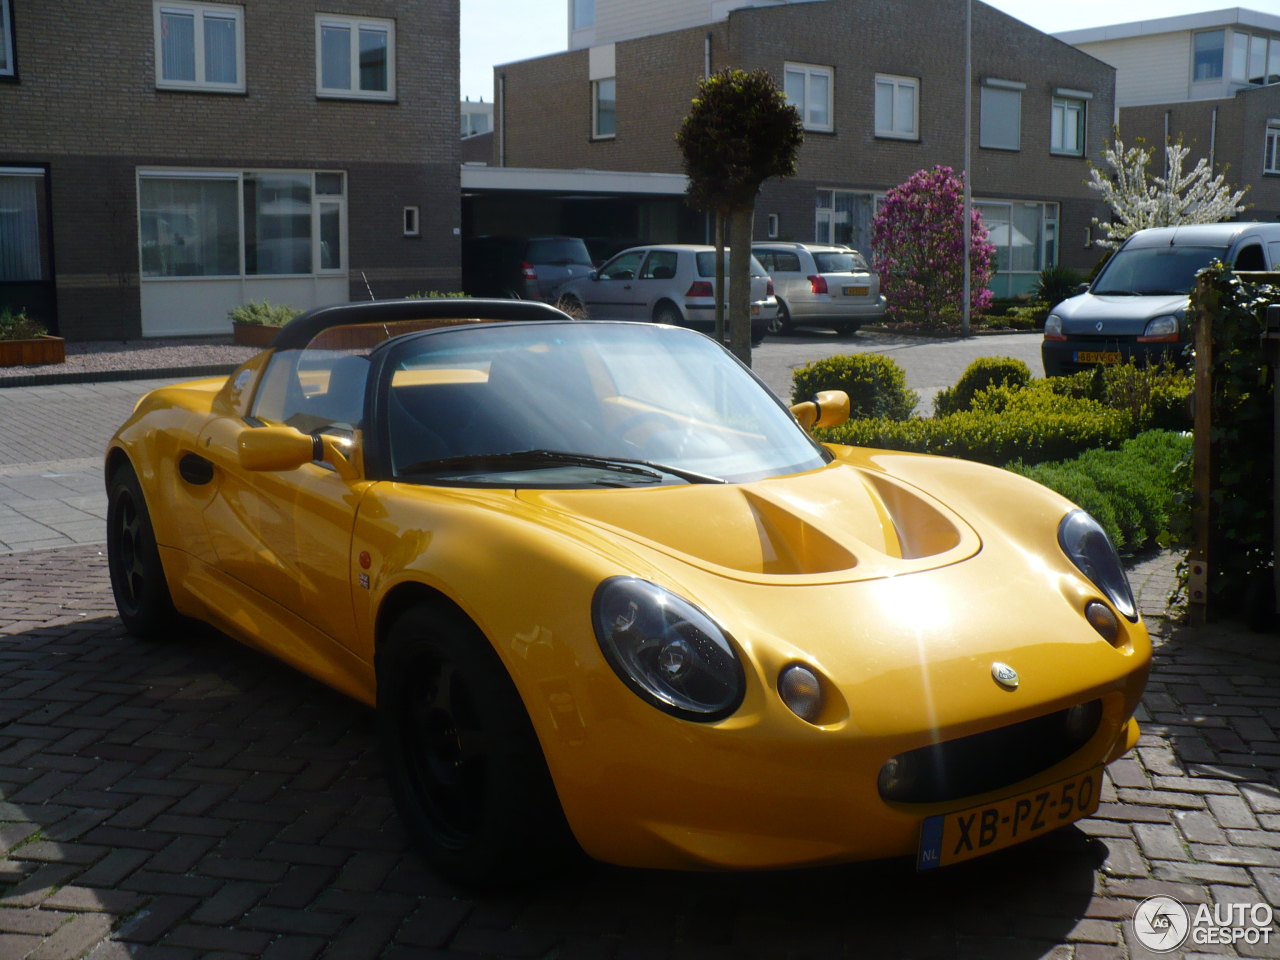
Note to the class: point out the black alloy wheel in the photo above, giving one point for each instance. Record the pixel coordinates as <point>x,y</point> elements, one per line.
<point>466,768</point>
<point>782,322</point>
<point>133,559</point>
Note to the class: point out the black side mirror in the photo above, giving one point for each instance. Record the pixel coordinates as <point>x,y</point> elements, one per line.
<point>1083,288</point>
<point>593,275</point>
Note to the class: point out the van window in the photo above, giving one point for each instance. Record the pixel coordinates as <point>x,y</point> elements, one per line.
<point>1251,258</point>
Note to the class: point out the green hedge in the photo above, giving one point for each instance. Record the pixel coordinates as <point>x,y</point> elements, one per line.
<point>1135,492</point>
<point>1006,424</point>
<point>982,373</point>
<point>1155,397</point>
<point>876,385</point>
<point>264,313</point>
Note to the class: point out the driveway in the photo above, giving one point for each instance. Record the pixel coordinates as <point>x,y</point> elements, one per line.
<point>194,799</point>
<point>930,364</point>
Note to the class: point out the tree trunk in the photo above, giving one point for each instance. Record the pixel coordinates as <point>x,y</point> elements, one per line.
<point>740,283</point>
<point>720,221</point>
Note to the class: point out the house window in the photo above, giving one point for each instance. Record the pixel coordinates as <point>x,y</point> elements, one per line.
<point>844,216</point>
<point>7,67</point>
<point>604,109</point>
<point>199,46</point>
<point>1271,155</point>
<point>808,89</point>
<point>234,224</point>
<point>1273,61</point>
<point>1000,122</point>
<point>1067,134</point>
<point>411,221</point>
<point>772,230</point>
<point>1025,235</point>
<point>1258,60</point>
<point>896,107</point>
<point>355,58</point>
<point>1207,64</point>
<point>1240,57</point>
<point>584,14</point>
<point>21,198</point>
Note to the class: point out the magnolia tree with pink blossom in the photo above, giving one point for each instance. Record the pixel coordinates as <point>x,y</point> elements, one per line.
<point>919,250</point>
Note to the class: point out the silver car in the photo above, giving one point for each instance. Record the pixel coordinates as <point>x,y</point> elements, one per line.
<point>822,284</point>
<point>668,283</point>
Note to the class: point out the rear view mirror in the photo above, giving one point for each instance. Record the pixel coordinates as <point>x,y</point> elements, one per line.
<point>593,275</point>
<point>828,408</point>
<point>277,448</point>
<point>1083,288</point>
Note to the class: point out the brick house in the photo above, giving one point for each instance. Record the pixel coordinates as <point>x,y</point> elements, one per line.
<point>1210,79</point>
<point>881,87</point>
<point>162,162</point>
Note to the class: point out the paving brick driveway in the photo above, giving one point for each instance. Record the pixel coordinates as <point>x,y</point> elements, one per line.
<point>193,798</point>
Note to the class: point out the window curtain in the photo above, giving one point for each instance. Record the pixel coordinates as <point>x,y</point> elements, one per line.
<point>219,49</point>
<point>20,228</point>
<point>189,227</point>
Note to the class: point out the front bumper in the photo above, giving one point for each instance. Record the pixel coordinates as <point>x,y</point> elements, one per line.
<point>1061,357</point>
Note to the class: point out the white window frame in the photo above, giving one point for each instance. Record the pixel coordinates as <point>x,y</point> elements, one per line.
<point>810,70</point>
<point>773,226</point>
<point>1063,101</point>
<point>354,24</point>
<point>595,109</point>
<point>1271,147</point>
<point>411,219</point>
<point>10,69</point>
<point>198,11</point>
<point>238,175</point>
<point>898,83</point>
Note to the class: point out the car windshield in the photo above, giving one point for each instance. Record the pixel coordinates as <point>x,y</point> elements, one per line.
<point>707,265</point>
<point>559,252</point>
<point>566,404</point>
<point>851,262</point>
<point>1153,271</point>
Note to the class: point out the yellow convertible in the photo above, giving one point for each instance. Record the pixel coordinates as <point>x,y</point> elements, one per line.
<point>605,589</point>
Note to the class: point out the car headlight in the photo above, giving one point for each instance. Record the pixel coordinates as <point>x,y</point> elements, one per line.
<point>666,650</point>
<point>1161,328</point>
<point>1089,548</point>
<point>1053,328</point>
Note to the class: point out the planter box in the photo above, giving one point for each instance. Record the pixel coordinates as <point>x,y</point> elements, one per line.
<point>28,353</point>
<point>253,334</point>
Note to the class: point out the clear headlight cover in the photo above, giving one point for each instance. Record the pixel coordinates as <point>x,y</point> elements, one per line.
<point>1053,326</point>
<point>1089,548</point>
<point>665,649</point>
<point>1161,327</point>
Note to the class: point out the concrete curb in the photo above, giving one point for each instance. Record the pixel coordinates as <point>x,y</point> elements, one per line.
<point>107,376</point>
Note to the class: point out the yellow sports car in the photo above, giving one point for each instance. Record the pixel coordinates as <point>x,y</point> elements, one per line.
<point>604,588</point>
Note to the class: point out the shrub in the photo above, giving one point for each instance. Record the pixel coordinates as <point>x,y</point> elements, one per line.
<point>436,295</point>
<point>918,238</point>
<point>876,385</point>
<point>18,326</point>
<point>264,314</point>
<point>982,373</point>
<point>1057,284</point>
<point>1154,396</point>
<point>1004,424</point>
<point>1136,492</point>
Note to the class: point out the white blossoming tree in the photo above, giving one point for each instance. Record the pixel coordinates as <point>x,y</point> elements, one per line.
<point>1139,201</point>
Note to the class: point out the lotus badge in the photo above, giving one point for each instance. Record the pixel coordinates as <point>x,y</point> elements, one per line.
<point>1098,326</point>
<point>1004,675</point>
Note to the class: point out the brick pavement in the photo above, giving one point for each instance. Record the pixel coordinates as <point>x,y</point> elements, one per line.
<point>195,799</point>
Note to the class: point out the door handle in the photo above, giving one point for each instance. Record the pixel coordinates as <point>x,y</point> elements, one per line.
<point>626,286</point>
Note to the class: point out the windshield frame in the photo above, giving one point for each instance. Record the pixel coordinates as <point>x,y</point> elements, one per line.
<point>1220,255</point>
<point>376,438</point>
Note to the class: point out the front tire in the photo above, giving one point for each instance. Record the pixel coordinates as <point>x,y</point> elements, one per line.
<point>133,559</point>
<point>466,769</point>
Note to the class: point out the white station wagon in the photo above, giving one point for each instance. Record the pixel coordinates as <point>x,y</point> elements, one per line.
<point>672,283</point>
<point>826,285</point>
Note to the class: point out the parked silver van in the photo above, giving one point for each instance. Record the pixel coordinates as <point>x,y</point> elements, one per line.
<point>1136,308</point>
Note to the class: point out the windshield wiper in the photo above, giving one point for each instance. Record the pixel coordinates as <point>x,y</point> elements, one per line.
<point>646,468</point>
<point>1157,293</point>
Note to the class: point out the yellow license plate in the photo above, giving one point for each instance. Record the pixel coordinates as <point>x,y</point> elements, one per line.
<point>953,837</point>
<point>755,308</point>
<point>856,291</point>
<point>1090,356</point>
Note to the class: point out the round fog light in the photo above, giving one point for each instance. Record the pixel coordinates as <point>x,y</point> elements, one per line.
<point>801,692</point>
<point>1103,620</point>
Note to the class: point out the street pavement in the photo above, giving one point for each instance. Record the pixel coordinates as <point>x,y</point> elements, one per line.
<point>194,799</point>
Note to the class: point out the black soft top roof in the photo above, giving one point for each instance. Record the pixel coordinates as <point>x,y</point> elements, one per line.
<point>301,330</point>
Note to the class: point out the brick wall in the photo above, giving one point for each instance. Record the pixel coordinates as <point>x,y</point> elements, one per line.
<point>87,104</point>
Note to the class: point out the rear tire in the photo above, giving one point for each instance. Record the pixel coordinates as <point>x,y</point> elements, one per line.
<point>667,313</point>
<point>849,329</point>
<point>782,322</point>
<point>133,559</point>
<point>466,769</point>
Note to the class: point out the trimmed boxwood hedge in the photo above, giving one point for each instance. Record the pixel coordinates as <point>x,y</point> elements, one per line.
<point>979,375</point>
<point>876,385</point>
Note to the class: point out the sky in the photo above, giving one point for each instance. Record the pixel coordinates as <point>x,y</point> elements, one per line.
<point>500,31</point>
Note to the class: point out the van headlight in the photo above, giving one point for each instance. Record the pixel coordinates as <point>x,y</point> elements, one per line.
<point>1089,548</point>
<point>1053,328</point>
<point>665,649</point>
<point>1160,328</point>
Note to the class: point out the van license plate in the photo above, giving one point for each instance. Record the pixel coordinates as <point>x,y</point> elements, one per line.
<point>952,837</point>
<point>755,308</point>
<point>1092,356</point>
<point>856,291</point>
